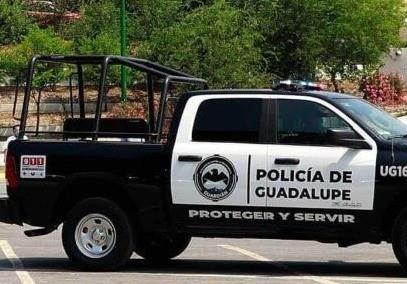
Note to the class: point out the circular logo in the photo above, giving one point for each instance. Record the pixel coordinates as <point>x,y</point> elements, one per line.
<point>215,178</point>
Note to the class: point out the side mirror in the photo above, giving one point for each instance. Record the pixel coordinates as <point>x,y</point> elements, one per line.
<point>347,138</point>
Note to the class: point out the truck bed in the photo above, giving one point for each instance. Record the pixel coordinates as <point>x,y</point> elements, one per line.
<point>73,166</point>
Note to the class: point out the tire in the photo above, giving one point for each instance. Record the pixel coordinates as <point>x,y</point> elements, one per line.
<point>97,235</point>
<point>159,248</point>
<point>399,238</point>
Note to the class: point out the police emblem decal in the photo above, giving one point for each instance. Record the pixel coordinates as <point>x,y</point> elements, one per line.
<point>215,178</point>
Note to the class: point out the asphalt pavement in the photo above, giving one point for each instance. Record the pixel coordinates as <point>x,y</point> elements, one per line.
<point>42,260</point>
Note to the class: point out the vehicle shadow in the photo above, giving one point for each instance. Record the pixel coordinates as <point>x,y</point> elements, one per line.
<point>226,267</point>
<point>260,268</point>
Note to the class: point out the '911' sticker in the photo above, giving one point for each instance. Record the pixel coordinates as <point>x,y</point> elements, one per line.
<point>33,167</point>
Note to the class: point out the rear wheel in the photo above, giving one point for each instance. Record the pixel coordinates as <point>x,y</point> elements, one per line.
<point>97,235</point>
<point>159,248</point>
<point>399,238</point>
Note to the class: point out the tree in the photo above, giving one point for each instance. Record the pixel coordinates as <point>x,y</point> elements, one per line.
<point>14,22</point>
<point>355,32</point>
<point>96,17</point>
<point>37,42</point>
<point>216,42</point>
<point>303,37</point>
<point>102,44</point>
<point>97,32</point>
<point>289,48</point>
<point>147,16</point>
<point>15,58</point>
<point>233,43</point>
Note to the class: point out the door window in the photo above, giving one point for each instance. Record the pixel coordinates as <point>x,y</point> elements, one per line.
<point>306,123</point>
<point>228,120</point>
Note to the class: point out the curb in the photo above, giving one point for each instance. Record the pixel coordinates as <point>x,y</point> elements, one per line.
<point>399,114</point>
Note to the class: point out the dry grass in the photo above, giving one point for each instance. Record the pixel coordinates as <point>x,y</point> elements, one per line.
<point>61,94</point>
<point>50,119</point>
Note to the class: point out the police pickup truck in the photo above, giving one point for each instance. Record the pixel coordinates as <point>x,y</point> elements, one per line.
<point>268,164</point>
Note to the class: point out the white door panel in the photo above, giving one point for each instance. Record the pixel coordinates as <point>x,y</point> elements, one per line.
<point>183,185</point>
<point>344,171</point>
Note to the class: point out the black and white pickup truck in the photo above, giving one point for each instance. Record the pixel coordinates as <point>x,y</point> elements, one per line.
<point>235,163</point>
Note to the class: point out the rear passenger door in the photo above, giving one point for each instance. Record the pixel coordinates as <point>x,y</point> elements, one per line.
<point>308,173</point>
<point>219,140</point>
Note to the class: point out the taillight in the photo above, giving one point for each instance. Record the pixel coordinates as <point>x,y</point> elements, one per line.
<point>11,172</point>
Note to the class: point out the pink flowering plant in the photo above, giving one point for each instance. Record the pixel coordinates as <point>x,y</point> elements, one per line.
<point>383,89</point>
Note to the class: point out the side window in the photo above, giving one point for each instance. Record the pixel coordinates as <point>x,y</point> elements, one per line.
<point>306,123</point>
<point>228,120</point>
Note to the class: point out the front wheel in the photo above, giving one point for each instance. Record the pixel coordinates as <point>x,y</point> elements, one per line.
<point>97,235</point>
<point>399,238</point>
<point>159,248</point>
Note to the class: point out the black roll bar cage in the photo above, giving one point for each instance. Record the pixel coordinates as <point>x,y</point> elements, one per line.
<point>153,71</point>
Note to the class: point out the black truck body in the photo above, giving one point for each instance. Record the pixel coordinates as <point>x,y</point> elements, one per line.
<point>273,174</point>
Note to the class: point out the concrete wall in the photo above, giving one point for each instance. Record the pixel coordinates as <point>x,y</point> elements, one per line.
<point>8,131</point>
<point>51,108</point>
<point>395,62</point>
<point>1,155</point>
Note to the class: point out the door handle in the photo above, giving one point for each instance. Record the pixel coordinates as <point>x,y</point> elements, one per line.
<point>189,158</point>
<point>286,161</point>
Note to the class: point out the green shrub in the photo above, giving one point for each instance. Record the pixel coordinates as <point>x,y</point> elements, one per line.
<point>214,42</point>
<point>14,60</point>
<point>97,32</point>
<point>14,22</point>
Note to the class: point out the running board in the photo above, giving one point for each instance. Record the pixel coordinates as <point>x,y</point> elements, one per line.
<point>39,232</point>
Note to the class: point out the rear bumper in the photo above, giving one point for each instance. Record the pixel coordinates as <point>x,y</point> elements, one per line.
<point>9,211</point>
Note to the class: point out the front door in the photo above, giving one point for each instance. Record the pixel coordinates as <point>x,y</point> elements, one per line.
<point>310,180</point>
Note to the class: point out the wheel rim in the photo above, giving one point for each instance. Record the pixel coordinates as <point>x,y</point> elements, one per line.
<point>95,235</point>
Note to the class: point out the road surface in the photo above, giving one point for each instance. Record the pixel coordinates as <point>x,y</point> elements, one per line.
<point>42,260</point>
